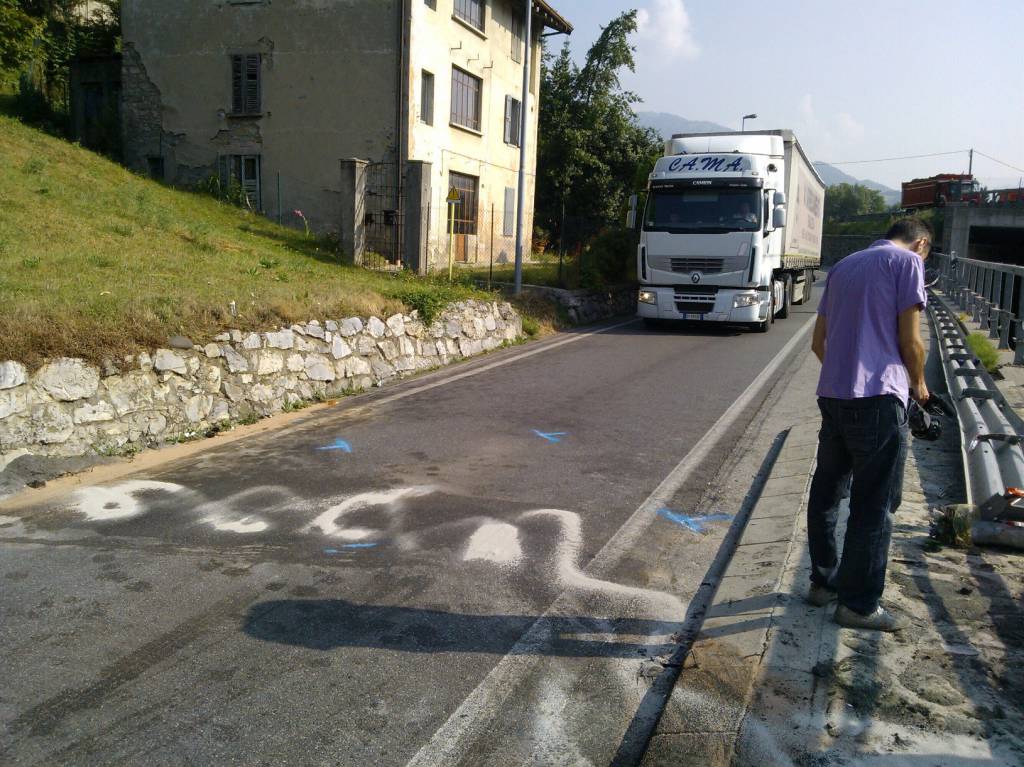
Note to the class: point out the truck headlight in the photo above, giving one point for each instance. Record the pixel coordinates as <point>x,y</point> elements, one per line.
<point>648,297</point>
<point>745,299</point>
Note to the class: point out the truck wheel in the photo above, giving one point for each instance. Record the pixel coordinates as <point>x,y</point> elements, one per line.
<point>787,295</point>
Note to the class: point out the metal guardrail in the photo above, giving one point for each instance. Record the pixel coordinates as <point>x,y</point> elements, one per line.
<point>992,432</point>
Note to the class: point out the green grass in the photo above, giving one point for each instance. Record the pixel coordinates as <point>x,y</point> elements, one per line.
<point>97,262</point>
<point>984,350</point>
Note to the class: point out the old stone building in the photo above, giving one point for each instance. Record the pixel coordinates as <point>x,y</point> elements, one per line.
<point>361,114</point>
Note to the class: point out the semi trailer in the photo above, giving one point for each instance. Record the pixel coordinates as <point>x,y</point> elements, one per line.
<point>730,231</point>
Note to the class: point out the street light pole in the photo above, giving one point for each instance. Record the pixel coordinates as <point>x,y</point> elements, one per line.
<point>743,125</point>
<point>524,110</point>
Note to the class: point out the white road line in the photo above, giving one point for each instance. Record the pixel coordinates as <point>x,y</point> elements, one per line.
<point>475,716</point>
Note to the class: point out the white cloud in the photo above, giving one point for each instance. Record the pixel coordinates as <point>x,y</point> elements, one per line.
<point>665,26</point>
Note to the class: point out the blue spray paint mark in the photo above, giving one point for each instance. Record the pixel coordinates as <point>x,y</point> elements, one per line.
<point>330,551</point>
<point>359,545</point>
<point>339,444</point>
<point>694,524</point>
<point>551,436</point>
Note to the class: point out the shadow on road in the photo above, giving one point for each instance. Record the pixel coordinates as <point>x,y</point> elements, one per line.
<point>325,624</point>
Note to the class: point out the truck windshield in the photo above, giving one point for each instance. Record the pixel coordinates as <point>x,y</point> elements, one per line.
<point>694,210</point>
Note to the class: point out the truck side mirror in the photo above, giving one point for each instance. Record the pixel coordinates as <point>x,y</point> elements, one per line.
<point>780,199</point>
<point>778,218</point>
<point>631,216</point>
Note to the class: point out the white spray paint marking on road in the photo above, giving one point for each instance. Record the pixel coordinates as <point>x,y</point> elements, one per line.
<point>103,504</point>
<point>477,714</point>
<point>244,525</point>
<point>328,521</point>
<point>496,542</point>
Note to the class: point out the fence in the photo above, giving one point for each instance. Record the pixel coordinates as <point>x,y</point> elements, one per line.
<point>991,430</point>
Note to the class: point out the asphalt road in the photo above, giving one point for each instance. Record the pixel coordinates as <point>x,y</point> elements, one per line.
<point>467,568</point>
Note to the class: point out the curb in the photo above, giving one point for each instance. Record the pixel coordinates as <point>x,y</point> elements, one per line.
<point>714,689</point>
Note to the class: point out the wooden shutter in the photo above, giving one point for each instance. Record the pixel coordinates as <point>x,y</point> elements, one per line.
<point>237,84</point>
<point>510,211</point>
<point>245,84</point>
<point>252,84</point>
<point>508,119</point>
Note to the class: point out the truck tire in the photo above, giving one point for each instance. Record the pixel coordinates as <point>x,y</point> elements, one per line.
<point>787,295</point>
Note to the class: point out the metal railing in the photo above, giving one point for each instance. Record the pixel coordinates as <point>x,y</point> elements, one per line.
<point>991,430</point>
<point>991,294</point>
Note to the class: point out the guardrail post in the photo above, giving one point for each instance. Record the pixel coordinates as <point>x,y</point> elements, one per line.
<point>1006,318</point>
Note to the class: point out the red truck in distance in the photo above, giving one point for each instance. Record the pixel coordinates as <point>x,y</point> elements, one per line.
<point>938,190</point>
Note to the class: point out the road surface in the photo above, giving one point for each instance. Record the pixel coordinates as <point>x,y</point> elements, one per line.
<point>466,568</point>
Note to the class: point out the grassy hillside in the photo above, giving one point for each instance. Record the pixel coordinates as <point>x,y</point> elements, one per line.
<point>97,262</point>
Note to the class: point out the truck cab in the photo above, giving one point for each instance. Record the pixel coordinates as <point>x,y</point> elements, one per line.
<point>712,232</point>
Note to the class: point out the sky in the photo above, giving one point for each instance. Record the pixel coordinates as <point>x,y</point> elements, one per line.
<point>855,79</point>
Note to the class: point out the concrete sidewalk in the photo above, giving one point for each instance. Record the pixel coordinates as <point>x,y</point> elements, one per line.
<point>773,681</point>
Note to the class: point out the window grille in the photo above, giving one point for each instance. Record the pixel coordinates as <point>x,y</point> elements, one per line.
<point>471,12</point>
<point>466,91</point>
<point>466,207</point>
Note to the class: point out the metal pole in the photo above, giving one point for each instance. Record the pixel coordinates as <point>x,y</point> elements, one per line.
<point>451,239</point>
<point>490,266</point>
<point>524,111</point>
<point>279,198</point>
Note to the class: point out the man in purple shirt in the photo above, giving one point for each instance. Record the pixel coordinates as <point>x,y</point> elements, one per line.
<point>868,339</point>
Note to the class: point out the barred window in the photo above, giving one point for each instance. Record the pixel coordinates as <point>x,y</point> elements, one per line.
<point>466,91</point>
<point>245,84</point>
<point>471,12</point>
<point>465,208</point>
<point>513,120</point>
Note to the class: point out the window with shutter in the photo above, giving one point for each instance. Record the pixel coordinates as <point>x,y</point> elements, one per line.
<point>427,98</point>
<point>510,211</point>
<point>517,37</point>
<point>513,119</point>
<point>245,84</point>
<point>471,12</point>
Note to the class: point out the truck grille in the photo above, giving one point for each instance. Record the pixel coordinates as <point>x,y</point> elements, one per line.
<point>696,299</point>
<point>705,265</point>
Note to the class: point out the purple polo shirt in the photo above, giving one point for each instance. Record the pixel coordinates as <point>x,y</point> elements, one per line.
<point>864,296</point>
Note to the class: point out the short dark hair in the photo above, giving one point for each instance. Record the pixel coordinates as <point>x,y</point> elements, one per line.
<point>909,230</point>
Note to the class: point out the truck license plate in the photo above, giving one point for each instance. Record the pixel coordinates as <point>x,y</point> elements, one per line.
<point>693,316</point>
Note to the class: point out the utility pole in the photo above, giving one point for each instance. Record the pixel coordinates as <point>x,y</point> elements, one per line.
<point>524,110</point>
<point>970,162</point>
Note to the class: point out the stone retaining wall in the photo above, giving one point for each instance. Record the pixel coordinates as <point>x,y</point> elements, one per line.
<point>585,306</point>
<point>69,407</point>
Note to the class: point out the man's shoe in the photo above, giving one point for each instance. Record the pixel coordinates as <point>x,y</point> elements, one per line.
<point>819,595</point>
<point>879,620</point>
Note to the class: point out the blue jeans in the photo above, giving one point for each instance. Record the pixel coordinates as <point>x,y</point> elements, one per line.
<point>863,440</point>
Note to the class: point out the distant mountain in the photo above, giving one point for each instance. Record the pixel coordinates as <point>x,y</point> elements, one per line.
<point>667,124</point>
<point>831,175</point>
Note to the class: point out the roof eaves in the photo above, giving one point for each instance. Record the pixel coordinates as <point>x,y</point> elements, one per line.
<point>551,17</point>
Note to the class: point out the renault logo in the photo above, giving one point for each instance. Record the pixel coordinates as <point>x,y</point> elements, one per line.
<point>695,278</point>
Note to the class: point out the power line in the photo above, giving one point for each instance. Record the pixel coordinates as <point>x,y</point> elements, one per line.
<point>905,157</point>
<point>993,159</point>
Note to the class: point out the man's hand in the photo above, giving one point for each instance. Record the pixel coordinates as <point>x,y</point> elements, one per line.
<point>919,391</point>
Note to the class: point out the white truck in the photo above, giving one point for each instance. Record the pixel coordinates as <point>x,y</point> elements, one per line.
<point>731,230</point>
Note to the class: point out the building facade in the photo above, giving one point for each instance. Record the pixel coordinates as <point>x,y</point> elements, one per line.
<point>361,114</point>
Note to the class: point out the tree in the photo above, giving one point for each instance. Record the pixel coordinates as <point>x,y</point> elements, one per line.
<point>590,144</point>
<point>846,200</point>
<point>18,32</point>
